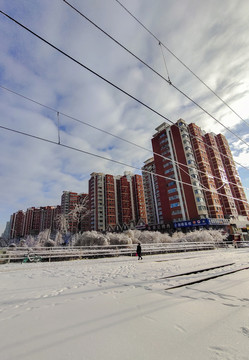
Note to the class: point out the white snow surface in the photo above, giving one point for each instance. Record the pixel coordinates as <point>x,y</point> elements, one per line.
<point>118,308</point>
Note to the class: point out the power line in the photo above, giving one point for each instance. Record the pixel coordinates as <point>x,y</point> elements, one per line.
<point>152,69</point>
<point>114,161</point>
<point>98,75</point>
<point>176,57</point>
<point>110,134</point>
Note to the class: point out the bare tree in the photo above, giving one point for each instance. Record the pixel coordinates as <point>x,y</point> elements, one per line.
<point>73,221</point>
<point>80,212</point>
<point>62,223</point>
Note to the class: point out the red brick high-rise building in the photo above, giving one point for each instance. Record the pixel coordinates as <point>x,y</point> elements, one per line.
<point>197,179</point>
<point>33,221</point>
<point>204,163</point>
<point>116,202</point>
<point>232,176</point>
<point>77,219</point>
<point>180,192</point>
<point>151,193</point>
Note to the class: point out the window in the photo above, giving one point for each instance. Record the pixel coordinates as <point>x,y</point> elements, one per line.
<point>175,212</point>
<point>202,208</point>
<point>168,171</point>
<point>174,205</point>
<point>171,183</point>
<point>174,197</point>
<point>167,164</point>
<point>170,191</point>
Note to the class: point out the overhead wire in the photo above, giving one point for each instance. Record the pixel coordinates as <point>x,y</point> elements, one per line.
<point>152,69</point>
<point>112,160</point>
<point>96,74</point>
<point>178,59</point>
<point>110,134</point>
<point>89,70</point>
<point>169,81</point>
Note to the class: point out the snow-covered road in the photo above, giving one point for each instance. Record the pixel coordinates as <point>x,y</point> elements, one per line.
<point>118,308</point>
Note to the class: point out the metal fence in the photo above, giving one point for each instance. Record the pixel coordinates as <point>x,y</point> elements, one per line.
<point>24,254</point>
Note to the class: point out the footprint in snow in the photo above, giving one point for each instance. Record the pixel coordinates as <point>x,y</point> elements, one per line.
<point>245,331</point>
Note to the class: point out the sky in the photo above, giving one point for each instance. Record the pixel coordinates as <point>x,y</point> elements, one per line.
<point>121,308</point>
<point>210,38</point>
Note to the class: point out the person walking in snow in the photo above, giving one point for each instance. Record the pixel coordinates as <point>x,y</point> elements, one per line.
<point>139,251</point>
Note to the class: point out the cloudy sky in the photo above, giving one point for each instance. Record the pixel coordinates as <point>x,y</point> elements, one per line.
<point>209,37</point>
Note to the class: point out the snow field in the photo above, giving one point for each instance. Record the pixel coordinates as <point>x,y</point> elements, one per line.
<point>118,309</point>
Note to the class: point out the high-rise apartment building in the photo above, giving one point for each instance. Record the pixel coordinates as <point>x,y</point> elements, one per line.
<point>232,176</point>
<point>220,176</point>
<point>151,193</point>
<point>204,161</point>
<point>180,192</point>
<point>197,179</point>
<point>34,220</point>
<point>116,201</point>
<point>77,219</point>
<point>17,224</point>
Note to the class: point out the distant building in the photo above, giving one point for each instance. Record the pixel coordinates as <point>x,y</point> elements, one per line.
<point>116,202</point>
<point>78,219</point>
<point>33,221</point>
<point>151,193</point>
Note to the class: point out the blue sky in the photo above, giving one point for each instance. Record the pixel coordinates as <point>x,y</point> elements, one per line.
<point>210,37</point>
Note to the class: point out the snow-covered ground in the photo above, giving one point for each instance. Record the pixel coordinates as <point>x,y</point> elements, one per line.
<point>118,308</point>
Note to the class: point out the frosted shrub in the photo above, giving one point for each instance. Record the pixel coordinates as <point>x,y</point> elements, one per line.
<point>162,238</point>
<point>218,235</point>
<point>178,236</point>
<point>119,239</point>
<point>135,236</point>
<point>205,236</point>
<point>147,237</point>
<point>131,235</point>
<point>49,243</point>
<point>91,238</point>
<point>199,236</point>
<point>30,241</point>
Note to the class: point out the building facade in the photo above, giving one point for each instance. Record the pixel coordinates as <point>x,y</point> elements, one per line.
<point>75,209</point>
<point>196,180</point>
<point>151,193</point>
<point>116,202</point>
<point>232,176</point>
<point>33,221</point>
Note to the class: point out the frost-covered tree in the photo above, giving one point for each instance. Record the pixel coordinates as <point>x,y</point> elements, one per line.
<point>43,239</point>
<point>62,223</point>
<point>80,212</point>
<point>31,241</point>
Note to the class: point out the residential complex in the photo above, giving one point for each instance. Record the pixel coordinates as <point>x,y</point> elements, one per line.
<point>190,181</point>
<point>197,182</point>
<point>116,202</point>
<point>33,220</point>
<point>75,210</point>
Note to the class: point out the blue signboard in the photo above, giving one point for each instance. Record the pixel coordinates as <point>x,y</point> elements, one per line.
<point>191,223</point>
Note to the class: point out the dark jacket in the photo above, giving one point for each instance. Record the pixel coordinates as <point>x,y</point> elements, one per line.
<point>139,250</point>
